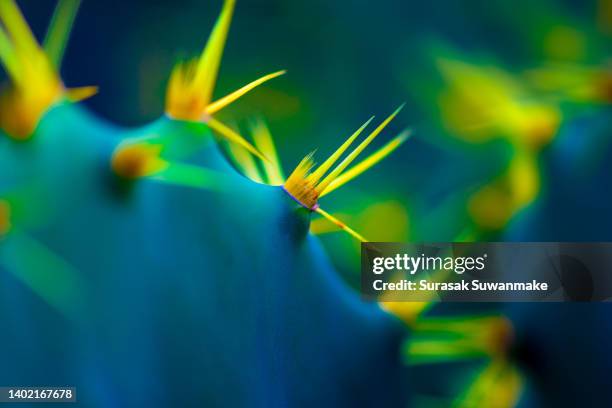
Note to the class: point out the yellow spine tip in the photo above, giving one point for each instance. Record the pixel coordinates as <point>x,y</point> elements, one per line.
<point>35,83</point>
<point>137,160</point>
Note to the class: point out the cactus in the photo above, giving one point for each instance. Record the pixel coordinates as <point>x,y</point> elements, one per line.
<point>176,264</point>
<point>139,266</point>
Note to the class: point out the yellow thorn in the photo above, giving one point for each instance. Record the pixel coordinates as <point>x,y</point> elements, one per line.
<point>340,224</point>
<point>81,93</point>
<point>183,100</point>
<point>487,335</point>
<point>349,159</point>
<point>59,30</point>
<point>137,160</point>
<point>8,56</point>
<point>210,60</point>
<point>191,85</point>
<point>298,186</point>
<point>244,161</point>
<point>226,100</point>
<point>35,85</point>
<point>233,137</point>
<point>366,164</point>
<point>17,28</point>
<point>265,143</point>
<point>318,173</point>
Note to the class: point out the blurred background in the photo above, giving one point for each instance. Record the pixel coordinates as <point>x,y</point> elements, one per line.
<point>509,103</point>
